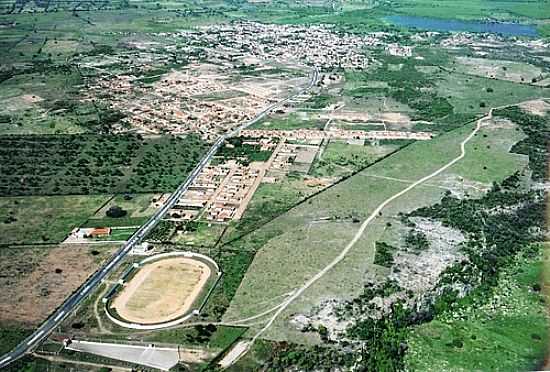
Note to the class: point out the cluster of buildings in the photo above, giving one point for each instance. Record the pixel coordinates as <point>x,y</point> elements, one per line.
<point>291,158</point>
<point>395,49</point>
<point>85,234</point>
<point>314,45</point>
<point>188,101</point>
<point>211,98</point>
<point>219,194</point>
<point>334,133</point>
<point>234,193</point>
<point>222,191</point>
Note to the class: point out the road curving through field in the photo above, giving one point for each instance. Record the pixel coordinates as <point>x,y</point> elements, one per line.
<point>244,346</point>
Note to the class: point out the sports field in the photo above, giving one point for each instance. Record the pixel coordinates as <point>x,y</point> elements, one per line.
<point>162,291</point>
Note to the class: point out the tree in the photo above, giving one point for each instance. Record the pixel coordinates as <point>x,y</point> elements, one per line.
<point>116,212</point>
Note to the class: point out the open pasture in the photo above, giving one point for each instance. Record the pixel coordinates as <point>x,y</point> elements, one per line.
<point>299,245</point>
<point>44,219</point>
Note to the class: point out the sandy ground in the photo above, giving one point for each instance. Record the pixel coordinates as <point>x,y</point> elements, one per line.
<point>162,290</point>
<point>31,98</point>
<point>195,356</point>
<point>355,116</point>
<point>35,281</point>
<point>536,107</point>
<point>234,354</point>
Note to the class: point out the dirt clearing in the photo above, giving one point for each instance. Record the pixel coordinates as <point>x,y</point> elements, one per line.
<point>35,281</point>
<point>537,107</point>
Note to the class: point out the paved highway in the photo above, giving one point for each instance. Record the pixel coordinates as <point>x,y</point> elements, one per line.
<point>94,280</point>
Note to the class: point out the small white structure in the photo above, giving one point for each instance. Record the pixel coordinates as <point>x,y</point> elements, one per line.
<point>142,249</point>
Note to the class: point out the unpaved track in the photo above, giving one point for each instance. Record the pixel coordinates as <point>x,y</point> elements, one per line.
<point>245,346</point>
<point>149,300</point>
<point>367,222</point>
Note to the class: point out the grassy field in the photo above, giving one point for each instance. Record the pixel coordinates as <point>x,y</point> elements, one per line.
<point>269,201</point>
<point>44,219</point>
<point>36,279</point>
<point>340,159</point>
<point>435,89</point>
<point>212,337</point>
<point>118,234</point>
<point>291,121</point>
<point>139,208</point>
<point>473,9</point>
<point>301,242</point>
<point>205,235</point>
<point>508,333</point>
<point>487,160</point>
<point>466,94</point>
<point>519,72</point>
<point>136,205</point>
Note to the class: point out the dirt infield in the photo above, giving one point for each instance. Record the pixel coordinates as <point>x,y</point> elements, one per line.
<point>162,291</point>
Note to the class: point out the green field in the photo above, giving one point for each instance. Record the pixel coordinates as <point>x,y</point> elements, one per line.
<point>301,242</point>
<point>210,336</point>
<point>291,121</point>
<point>507,333</point>
<point>466,94</point>
<point>138,207</point>
<point>118,234</point>
<point>64,163</point>
<point>433,90</point>
<point>269,201</point>
<point>10,337</point>
<point>44,219</point>
<point>473,9</point>
<point>340,159</point>
<point>201,235</point>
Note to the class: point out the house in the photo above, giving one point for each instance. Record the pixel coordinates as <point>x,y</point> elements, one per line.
<point>100,232</point>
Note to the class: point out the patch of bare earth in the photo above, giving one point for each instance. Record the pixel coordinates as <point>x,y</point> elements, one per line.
<point>537,107</point>
<point>195,356</point>
<point>35,281</point>
<point>420,271</point>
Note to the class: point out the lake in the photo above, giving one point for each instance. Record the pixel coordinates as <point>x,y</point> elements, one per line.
<point>436,24</point>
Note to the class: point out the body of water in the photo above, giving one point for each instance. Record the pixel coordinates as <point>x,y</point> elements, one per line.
<point>442,25</point>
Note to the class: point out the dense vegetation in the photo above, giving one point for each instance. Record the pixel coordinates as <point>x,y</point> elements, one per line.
<point>538,138</point>
<point>237,148</point>
<point>383,255</point>
<point>162,232</point>
<point>416,240</point>
<point>10,337</point>
<point>407,85</point>
<point>94,164</point>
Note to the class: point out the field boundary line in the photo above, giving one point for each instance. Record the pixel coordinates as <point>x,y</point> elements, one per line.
<point>375,213</point>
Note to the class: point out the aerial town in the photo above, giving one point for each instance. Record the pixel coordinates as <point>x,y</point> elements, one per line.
<point>291,185</point>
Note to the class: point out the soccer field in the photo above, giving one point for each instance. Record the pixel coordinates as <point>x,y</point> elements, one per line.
<point>162,291</point>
